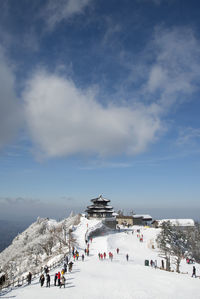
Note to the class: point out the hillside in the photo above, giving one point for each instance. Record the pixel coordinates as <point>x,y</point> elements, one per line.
<point>95,279</point>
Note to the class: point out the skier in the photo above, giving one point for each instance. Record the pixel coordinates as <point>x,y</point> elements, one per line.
<point>99,255</point>
<point>104,255</point>
<point>62,283</point>
<point>42,278</point>
<point>48,280</point>
<point>117,250</point>
<point>29,276</point>
<point>67,260</point>
<point>194,272</point>
<point>127,257</point>
<point>82,257</point>
<point>55,278</point>
<point>58,278</point>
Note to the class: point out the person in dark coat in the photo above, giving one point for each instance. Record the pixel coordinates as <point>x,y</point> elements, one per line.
<point>82,257</point>
<point>55,278</point>
<point>70,266</point>
<point>29,277</point>
<point>194,272</point>
<point>127,257</point>
<point>162,263</point>
<point>42,279</point>
<point>65,267</point>
<point>48,280</point>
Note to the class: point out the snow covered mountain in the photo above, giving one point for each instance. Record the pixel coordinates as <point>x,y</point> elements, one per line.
<point>42,241</point>
<point>105,279</point>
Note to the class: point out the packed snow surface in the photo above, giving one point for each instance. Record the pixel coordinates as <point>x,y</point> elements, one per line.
<point>117,279</point>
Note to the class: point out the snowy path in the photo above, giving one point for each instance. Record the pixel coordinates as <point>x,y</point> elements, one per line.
<point>118,279</point>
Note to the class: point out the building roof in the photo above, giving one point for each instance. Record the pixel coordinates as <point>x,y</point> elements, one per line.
<point>100,211</point>
<point>144,217</point>
<point>99,206</point>
<point>177,222</point>
<point>124,217</point>
<point>100,199</point>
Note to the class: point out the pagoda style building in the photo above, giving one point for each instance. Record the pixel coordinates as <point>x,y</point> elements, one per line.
<point>102,210</point>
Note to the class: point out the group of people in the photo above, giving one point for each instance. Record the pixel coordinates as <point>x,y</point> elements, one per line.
<point>59,277</point>
<point>102,256</point>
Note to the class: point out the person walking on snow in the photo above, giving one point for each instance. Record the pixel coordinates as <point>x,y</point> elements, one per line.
<point>58,278</point>
<point>29,277</point>
<point>70,266</point>
<point>62,282</point>
<point>82,257</point>
<point>42,278</point>
<point>127,257</point>
<point>117,250</point>
<point>194,272</point>
<point>55,278</point>
<point>48,280</point>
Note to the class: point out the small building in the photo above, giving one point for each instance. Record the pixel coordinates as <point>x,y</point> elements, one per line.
<point>181,223</point>
<point>101,209</point>
<point>142,219</point>
<point>124,220</point>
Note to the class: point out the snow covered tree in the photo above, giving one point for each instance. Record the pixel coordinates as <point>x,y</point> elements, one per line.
<point>164,240</point>
<point>173,243</point>
<point>179,246</point>
<point>193,236</point>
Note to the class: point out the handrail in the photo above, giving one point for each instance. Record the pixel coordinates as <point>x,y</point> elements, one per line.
<point>23,279</point>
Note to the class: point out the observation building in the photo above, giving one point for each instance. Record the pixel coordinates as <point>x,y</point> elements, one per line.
<point>101,209</point>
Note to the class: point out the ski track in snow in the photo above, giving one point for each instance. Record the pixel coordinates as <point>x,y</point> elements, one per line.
<point>119,279</point>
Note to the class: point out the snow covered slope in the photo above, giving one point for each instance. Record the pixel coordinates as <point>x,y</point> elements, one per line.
<point>117,279</point>
<point>36,246</point>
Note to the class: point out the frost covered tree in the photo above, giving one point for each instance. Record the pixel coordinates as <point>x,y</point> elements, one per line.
<point>179,246</point>
<point>193,236</point>
<point>164,240</point>
<point>173,243</point>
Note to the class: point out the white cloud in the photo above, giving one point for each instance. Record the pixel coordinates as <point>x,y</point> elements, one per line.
<point>9,107</point>
<point>175,72</point>
<point>64,120</point>
<point>188,136</point>
<point>57,11</point>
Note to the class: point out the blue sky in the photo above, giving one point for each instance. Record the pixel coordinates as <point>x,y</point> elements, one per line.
<point>99,97</point>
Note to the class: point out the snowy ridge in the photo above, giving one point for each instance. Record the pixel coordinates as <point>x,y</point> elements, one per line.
<point>43,242</point>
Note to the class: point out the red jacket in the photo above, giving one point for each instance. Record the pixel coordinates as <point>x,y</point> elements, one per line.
<point>58,275</point>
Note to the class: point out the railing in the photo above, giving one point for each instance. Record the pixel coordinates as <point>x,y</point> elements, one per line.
<point>20,282</point>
